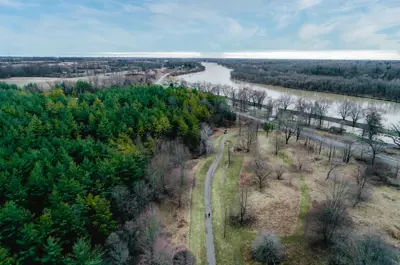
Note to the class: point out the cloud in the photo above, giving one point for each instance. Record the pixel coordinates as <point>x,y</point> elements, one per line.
<point>312,31</point>
<point>304,4</point>
<point>11,3</point>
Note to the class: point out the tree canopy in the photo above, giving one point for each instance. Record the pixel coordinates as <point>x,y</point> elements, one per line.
<point>60,157</point>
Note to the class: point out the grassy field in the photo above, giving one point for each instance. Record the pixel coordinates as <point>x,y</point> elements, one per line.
<point>229,250</point>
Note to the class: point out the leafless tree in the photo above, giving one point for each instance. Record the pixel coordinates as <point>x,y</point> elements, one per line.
<point>373,119</point>
<point>229,147</point>
<point>278,142</point>
<point>302,106</point>
<point>260,168</point>
<point>279,171</point>
<point>156,172</point>
<point>396,130</point>
<point>234,96</point>
<point>356,113</point>
<point>289,127</point>
<point>259,97</point>
<point>183,256</point>
<point>206,146</point>
<point>180,154</point>
<point>361,179</point>
<point>333,164</point>
<point>299,128</point>
<point>347,151</point>
<point>285,101</point>
<point>216,89</point>
<point>344,109</point>
<point>300,159</point>
<point>321,108</point>
<point>376,145</point>
<point>226,90</point>
<point>269,108</point>
<point>244,97</point>
<point>249,136</point>
<point>94,81</point>
<point>242,204</point>
<point>326,218</point>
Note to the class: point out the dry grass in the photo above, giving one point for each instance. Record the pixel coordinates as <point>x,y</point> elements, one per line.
<point>176,220</point>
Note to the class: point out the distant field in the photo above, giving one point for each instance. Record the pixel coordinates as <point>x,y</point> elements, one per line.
<point>47,82</point>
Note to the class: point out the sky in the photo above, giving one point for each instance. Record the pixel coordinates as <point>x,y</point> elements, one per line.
<point>332,29</point>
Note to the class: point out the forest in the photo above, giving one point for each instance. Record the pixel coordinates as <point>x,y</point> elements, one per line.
<point>375,79</point>
<point>74,166</point>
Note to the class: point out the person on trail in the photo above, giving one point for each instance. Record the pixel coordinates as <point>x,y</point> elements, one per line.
<point>208,215</point>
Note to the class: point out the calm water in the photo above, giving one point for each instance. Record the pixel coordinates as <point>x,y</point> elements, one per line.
<point>218,74</point>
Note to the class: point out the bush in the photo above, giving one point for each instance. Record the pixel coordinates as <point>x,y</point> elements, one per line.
<point>325,220</point>
<point>267,249</point>
<point>368,249</point>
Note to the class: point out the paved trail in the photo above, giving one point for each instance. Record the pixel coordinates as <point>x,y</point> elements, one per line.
<point>160,81</point>
<point>356,149</point>
<point>207,203</point>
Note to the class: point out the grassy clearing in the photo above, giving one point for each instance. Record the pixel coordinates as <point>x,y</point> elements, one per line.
<point>224,191</point>
<point>197,240</point>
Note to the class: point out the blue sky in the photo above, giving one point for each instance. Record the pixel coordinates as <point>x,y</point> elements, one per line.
<point>61,27</point>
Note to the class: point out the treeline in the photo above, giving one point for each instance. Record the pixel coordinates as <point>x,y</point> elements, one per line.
<point>374,79</point>
<point>73,170</point>
<point>52,67</point>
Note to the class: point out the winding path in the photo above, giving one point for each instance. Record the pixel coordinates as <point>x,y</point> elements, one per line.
<point>207,203</point>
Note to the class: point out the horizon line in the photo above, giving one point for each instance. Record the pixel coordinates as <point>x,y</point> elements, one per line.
<point>272,54</point>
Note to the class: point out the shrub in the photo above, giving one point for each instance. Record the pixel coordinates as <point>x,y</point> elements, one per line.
<point>325,220</point>
<point>368,249</point>
<point>267,249</point>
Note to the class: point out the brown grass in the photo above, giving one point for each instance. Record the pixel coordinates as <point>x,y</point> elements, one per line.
<point>177,220</point>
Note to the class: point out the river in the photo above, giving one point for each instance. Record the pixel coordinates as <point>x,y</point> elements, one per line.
<point>217,74</point>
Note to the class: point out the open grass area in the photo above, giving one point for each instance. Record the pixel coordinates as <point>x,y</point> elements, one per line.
<point>229,250</point>
<point>197,239</point>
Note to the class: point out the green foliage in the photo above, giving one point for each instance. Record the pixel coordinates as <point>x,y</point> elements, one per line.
<point>62,156</point>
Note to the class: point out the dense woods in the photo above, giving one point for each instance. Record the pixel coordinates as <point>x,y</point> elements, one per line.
<point>375,79</point>
<point>69,164</point>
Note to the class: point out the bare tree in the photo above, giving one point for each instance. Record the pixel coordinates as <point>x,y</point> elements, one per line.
<point>216,90</point>
<point>206,146</point>
<point>302,106</point>
<point>180,154</point>
<point>289,127</point>
<point>226,90</point>
<point>344,109</point>
<point>244,96</point>
<point>376,146</point>
<point>356,113</point>
<point>158,168</point>
<point>269,108</point>
<point>278,142</point>
<point>325,219</point>
<point>259,97</point>
<point>234,96</point>
<point>321,108</point>
<point>229,148</point>
<point>373,119</point>
<point>347,152</point>
<point>396,130</point>
<point>361,180</point>
<point>242,205</point>
<point>249,136</point>
<point>333,164</point>
<point>300,159</point>
<point>285,101</point>
<point>260,168</point>
<point>279,171</point>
